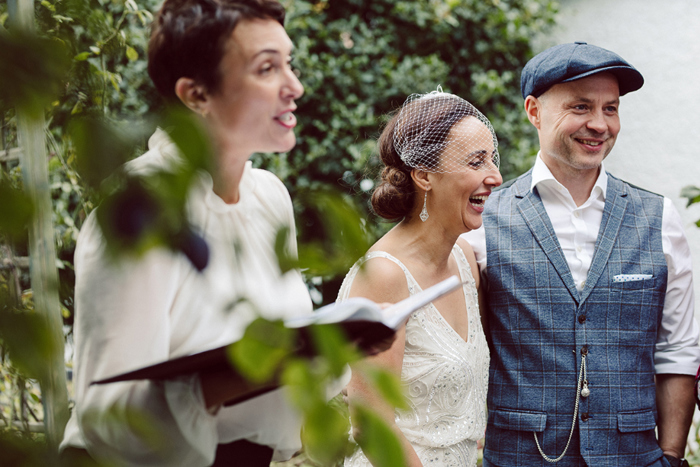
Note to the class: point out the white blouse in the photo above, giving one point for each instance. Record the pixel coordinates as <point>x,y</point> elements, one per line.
<point>135,312</point>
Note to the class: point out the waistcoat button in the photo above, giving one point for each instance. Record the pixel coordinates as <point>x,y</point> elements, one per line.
<point>585,417</point>
<point>582,319</point>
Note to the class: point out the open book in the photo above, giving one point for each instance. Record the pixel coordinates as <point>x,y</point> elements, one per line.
<point>363,321</point>
<point>362,309</point>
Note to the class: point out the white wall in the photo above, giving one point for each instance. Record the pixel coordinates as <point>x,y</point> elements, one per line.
<point>659,144</point>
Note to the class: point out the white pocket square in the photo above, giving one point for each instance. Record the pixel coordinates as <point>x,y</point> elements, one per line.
<point>631,277</point>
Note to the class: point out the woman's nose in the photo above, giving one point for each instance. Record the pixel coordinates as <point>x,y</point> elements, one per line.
<point>293,89</point>
<point>494,177</point>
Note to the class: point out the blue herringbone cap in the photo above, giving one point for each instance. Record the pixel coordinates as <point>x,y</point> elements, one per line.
<point>569,62</point>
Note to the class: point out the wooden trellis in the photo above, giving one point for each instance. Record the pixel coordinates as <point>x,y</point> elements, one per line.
<point>42,258</point>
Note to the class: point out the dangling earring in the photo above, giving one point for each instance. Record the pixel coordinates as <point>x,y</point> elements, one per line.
<point>424,213</point>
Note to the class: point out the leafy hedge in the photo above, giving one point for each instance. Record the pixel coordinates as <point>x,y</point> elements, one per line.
<point>358,60</point>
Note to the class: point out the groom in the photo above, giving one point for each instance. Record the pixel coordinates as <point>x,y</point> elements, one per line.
<point>588,288</point>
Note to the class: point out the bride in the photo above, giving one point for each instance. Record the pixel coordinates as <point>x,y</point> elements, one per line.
<point>441,163</point>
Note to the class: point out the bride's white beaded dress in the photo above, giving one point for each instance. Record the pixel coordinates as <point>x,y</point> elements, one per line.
<point>445,378</point>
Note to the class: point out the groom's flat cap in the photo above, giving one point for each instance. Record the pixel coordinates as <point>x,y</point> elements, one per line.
<point>568,62</point>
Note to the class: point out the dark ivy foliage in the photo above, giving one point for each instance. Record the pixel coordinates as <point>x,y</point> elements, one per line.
<point>358,61</point>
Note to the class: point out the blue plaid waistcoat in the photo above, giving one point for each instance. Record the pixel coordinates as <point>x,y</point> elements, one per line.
<point>539,325</point>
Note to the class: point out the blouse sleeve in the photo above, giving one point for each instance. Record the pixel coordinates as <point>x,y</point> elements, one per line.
<point>122,323</point>
<point>278,202</point>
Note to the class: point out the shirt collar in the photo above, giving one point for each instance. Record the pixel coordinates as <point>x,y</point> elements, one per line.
<point>542,174</point>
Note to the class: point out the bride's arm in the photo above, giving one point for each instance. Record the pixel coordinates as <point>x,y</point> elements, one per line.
<point>382,281</point>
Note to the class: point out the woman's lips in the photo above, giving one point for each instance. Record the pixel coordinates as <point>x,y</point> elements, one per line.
<point>287,119</point>
<point>477,202</point>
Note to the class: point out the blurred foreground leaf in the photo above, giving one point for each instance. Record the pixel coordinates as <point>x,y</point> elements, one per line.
<point>336,236</point>
<point>146,428</point>
<point>129,218</point>
<point>387,383</point>
<point>325,433</point>
<point>190,137</point>
<point>16,210</point>
<point>692,193</point>
<point>100,149</point>
<point>377,439</point>
<point>32,71</point>
<point>141,212</point>
<point>27,339</point>
<point>261,350</point>
<point>330,342</point>
<point>17,450</point>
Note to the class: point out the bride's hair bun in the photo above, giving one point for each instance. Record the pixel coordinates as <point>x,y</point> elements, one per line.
<point>394,197</point>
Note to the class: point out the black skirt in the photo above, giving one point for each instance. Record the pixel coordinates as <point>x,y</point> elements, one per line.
<point>239,453</point>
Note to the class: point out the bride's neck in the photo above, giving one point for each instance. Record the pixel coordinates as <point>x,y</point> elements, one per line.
<point>427,244</point>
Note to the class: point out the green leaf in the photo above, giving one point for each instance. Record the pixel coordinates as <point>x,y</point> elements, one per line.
<point>48,6</point>
<point>325,434</point>
<point>115,80</point>
<point>261,350</point>
<point>286,261</point>
<point>331,343</point>
<point>28,339</point>
<point>16,211</point>
<point>146,428</point>
<point>32,71</point>
<point>692,193</point>
<point>21,450</point>
<point>301,383</point>
<point>131,54</point>
<point>189,135</point>
<point>338,236</point>
<point>96,136</point>
<point>387,383</point>
<point>377,439</point>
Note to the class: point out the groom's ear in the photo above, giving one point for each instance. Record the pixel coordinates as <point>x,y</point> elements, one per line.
<point>420,178</point>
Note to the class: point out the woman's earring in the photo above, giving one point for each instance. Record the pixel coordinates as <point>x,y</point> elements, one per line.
<point>424,213</point>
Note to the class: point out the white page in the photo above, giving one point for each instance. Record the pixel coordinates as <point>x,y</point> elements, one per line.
<point>359,308</point>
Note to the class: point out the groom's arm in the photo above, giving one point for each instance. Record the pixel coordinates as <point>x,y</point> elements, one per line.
<point>675,402</point>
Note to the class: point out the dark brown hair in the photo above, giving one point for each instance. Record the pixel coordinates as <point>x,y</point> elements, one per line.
<point>394,197</point>
<point>188,38</point>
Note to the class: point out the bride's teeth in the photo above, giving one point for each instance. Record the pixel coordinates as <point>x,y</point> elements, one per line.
<point>285,117</point>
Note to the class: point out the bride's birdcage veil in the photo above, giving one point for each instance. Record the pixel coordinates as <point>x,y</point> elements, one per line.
<point>422,133</point>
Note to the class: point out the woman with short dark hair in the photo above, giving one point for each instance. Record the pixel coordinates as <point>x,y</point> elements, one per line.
<point>229,62</point>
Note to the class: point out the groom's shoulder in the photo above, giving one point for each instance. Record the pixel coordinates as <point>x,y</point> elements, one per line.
<point>517,185</point>
<point>627,186</point>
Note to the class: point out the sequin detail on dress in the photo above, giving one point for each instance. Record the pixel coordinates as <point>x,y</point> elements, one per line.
<point>444,377</point>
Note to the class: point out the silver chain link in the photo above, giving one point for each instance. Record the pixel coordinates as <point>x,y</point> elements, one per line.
<point>581,377</point>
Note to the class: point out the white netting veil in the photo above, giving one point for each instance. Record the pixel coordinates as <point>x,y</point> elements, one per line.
<point>440,132</point>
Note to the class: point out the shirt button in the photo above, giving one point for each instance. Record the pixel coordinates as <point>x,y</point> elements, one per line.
<point>584,350</point>
<point>578,248</point>
<point>585,417</point>
<point>576,213</point>
<point>582,319</point>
